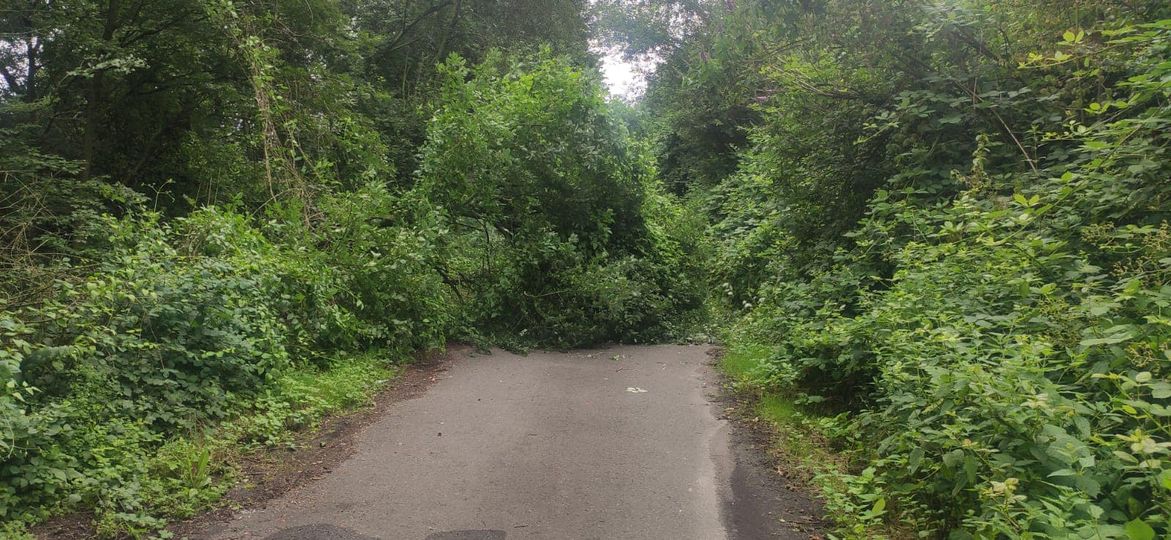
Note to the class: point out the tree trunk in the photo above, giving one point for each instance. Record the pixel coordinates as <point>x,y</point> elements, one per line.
<point>96,93</point>
<point>442,50</point>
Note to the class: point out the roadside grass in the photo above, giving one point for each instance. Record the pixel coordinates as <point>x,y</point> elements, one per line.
<point>807,446</point>
<point>15,531</point>
<point>800,441</point>
<point>190,474</point>
<point>347,384</point>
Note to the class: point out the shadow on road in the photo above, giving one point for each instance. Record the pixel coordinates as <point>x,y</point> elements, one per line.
<point>322,531</point>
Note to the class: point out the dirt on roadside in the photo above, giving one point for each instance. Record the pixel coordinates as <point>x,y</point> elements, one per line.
<point>764,493</point>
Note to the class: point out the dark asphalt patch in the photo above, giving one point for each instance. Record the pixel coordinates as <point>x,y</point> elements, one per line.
<point>468,535</point>
<point>318,531</point>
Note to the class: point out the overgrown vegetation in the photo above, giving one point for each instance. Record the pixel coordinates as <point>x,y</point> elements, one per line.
<point>936,234</point>
<point>557,231</point>
<point>944,225</point>
<point>224,220</point>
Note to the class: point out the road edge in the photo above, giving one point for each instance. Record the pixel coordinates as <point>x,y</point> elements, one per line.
<point>759,501</point>
<point>270,473</point>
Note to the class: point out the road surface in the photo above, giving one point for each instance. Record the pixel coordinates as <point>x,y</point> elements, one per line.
<point>619,443</point>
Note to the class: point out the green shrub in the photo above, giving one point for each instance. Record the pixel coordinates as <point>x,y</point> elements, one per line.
<point>385,250</point>
<point>154,335</point>
<point>994,329</point>
<point>558,233</point>
<point>181,326</point>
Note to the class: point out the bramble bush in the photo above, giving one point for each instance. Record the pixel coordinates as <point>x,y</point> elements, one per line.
<point>994,329</point>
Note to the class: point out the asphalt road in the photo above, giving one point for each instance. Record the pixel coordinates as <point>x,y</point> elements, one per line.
<point>621,443</point>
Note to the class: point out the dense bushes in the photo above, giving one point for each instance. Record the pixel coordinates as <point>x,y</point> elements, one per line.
<point>948,235</point>
<point>158,343</point>
<point>178,325</point>
<point>550,210</point>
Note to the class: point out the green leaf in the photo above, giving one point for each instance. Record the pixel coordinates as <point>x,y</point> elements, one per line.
<point>1090,486</point>
<point>1109,340</point>
<point>915,459</point>
<point>1069,36</point>
<point>1139,530</point>
<point>970,467</point>
<point>953,458</point>
<point>1165,479</point>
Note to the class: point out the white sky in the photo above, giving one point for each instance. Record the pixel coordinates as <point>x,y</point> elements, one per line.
<point>624,78</point>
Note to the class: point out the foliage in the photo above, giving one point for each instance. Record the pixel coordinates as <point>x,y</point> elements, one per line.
<point>947,222</point>
<point>222,220</point>
<point>179,327</point>
<point>558,233</point>
<point>943,226</point>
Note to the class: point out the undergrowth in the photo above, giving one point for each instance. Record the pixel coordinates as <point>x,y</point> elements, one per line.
<point>189,474</point>
<point>806,442</point>
<point>157,339</point>
<point>948,230</point>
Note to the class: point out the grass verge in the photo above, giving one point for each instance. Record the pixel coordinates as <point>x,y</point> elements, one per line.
<point>190,474</point>
<point>807,445</point>
<point>800,441</point>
